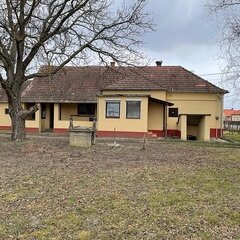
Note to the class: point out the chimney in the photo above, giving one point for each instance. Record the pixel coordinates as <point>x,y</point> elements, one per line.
<point>159,63</point>
<point>112,64</point>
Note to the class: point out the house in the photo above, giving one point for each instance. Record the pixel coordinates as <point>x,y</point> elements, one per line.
<point>231,119</point>
<point>236,116</point>
<point>125,101</point>
<point>227,114</point>
<point>231,115</point>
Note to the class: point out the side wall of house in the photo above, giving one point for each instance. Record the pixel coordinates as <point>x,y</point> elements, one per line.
<point>186,103</point>
<point>122,126</point>
<point>5,121</point>
<point>155,116</point>
<point>68,109</point>
<point>198,103</point>
<point>62,113</point>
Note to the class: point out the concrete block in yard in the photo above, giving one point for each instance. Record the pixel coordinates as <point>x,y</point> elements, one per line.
<point>82,137</point>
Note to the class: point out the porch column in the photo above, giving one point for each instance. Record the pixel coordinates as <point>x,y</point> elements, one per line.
<point>183,127</point>
<point>204,128</point>
<point>38,118</point>
<point>56,115</point>
<point>165,120</point>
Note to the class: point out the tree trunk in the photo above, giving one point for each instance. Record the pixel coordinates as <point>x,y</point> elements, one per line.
<point>18,122</point>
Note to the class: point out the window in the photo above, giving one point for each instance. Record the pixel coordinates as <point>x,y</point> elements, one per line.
<point>112,109</point>
<point>44,111</point>
<point>6,111</point>
<point>86,109</point>
<point>173,112</point>
<point>133,109</point>
<point>32,116</point>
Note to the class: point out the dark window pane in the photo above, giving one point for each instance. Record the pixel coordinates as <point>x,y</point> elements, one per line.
<point>133,109</point>
<point>44,111</point>
<point>86,108</point>
<point>113,109</point>
<point>173,112</point>
<point>6,111</point>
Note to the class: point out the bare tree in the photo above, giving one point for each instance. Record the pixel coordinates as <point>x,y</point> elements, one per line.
<point>228,16</point>
<point>37,32</point>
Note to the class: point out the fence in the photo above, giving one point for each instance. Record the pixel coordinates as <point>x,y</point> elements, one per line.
<point>232,126</point>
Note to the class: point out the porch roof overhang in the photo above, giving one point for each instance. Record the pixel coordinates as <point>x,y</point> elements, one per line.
<point>138,95</point>
<point>59,101</point>
<point>160,101</point>
<point>123,95</point>
<point>192,114</point>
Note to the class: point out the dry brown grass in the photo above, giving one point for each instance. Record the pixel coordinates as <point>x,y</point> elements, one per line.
<point>172,190</point>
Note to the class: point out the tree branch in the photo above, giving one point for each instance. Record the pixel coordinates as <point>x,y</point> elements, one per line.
<point>45,34</point>
<point>25,113</point>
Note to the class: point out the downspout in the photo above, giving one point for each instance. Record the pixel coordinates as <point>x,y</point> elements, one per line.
<point>221,114</point>
<point>165,120</point>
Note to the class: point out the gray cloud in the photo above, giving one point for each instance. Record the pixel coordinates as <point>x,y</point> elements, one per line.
<point>179,22</point>
<point>185,35</point>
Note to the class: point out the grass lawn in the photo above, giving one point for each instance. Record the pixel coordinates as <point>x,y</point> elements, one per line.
<point>233,136</point>
<point>173,190</point>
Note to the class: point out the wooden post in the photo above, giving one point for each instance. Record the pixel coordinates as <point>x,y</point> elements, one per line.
<point>144,142</point>
<point>70,123</point>
<point>94,131</point>
<point>114,137</point>
<point>165,120</point>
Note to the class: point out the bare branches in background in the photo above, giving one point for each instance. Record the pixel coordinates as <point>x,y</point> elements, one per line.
<point>59,32</point>
<point>228,16</point>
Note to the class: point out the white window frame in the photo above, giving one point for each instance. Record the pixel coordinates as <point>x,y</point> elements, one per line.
<point>140,104</point>
<point>115,101</point>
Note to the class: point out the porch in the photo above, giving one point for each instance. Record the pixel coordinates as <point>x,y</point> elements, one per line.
<point>194,126</point>
<point>54,117</point>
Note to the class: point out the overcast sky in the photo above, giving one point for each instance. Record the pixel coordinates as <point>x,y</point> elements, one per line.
<point>186,35</point>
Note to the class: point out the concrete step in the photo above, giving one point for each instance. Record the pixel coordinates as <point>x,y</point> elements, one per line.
<point>150,134</point>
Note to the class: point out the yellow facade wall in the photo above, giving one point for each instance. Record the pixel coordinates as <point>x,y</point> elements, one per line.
<point>197,103</point>
<point>4,118</point>
<point>35,123</point>
<point>204,130</point>
<point>122,124</point>
<point>155,116</point>
<point>66,111</point>
<point>182,126</point>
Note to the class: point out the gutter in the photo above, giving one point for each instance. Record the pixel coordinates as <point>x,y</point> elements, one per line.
<point>221,115</point>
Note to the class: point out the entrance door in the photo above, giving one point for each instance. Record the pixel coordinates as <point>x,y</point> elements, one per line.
<point>51,116</point>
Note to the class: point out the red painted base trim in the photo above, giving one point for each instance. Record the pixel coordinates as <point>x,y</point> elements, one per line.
<point>174,133</point>
<point>118,134</point>
<point>28,130</point>
<point>32,130</point>
<point>60,130</point>
<point>159,133</point>
<point>216,132</point>
<point>5,128</point>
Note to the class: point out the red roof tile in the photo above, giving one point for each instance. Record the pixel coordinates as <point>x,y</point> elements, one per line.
<point>236,112</point>
<point>83,84</point>
<point>230,112</point>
